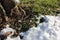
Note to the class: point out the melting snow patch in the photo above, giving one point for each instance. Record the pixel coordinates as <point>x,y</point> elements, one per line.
<point>49,30</point>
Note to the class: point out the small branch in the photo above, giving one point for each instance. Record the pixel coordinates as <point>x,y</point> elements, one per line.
<point>3,9</point>
<point>23,10</point>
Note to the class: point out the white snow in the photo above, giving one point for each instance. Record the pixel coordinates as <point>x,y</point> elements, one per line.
<point>8,29</point>
<point>48,30</point>
<point>17,1</point>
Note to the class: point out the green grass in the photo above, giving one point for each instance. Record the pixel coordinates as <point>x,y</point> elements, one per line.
<point>42,6</point>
